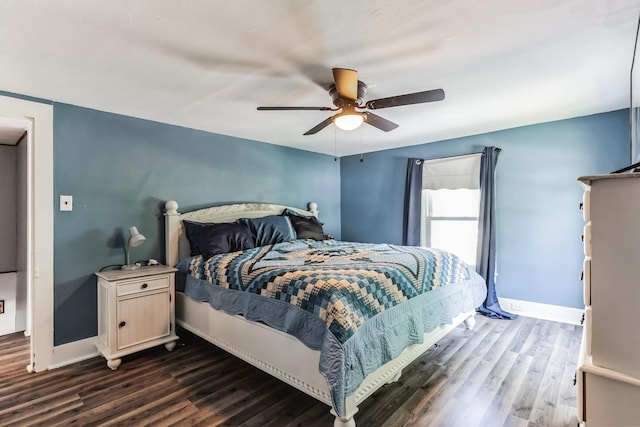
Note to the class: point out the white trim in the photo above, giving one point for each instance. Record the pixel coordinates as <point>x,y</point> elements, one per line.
<point>555,313</point>
<point>40,220</point>
<point>74,352</point>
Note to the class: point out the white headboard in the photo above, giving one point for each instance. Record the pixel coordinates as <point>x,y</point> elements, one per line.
<point>176,243</point>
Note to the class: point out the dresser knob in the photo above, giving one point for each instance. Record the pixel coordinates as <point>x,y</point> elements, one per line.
<point>144,286</point>
<point>121,324</point>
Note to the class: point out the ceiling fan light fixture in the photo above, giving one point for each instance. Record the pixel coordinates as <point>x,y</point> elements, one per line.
<point>349,121</point>
<point>347,94</point>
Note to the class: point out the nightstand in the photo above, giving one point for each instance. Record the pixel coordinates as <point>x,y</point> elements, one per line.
<point>135,311</point>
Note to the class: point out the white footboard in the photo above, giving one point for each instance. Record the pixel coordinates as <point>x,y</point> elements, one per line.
<point>277,353</point>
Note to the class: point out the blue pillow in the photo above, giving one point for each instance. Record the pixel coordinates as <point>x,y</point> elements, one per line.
<point>269,230</point>
<point>209,239</point>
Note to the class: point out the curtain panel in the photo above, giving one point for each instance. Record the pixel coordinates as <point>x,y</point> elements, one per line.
<point>412,203</point>
<point>486,254</point>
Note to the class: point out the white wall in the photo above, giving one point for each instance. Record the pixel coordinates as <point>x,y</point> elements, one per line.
<point>8,210</point>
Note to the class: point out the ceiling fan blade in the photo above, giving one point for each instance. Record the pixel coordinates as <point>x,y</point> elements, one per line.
<point>346,83</point>
<point>379,122</point>
<point>296,108</point>
<point>410,98</point>
<point>317,128</point>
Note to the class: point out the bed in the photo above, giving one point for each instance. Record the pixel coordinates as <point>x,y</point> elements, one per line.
<point>337,350</point>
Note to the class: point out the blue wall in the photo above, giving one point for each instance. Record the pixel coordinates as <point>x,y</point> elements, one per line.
<point>539,225</point>
<point>120,171</point>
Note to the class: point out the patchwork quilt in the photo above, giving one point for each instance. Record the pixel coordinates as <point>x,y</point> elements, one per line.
<point>359,304</point>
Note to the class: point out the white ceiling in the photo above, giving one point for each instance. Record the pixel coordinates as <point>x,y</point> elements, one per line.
<point>209,64</point>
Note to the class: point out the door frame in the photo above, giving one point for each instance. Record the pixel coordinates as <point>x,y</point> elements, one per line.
<point>40,205</point>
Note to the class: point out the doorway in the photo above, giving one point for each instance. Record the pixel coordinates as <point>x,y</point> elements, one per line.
<point>36,235</point>
<point>13,227</point>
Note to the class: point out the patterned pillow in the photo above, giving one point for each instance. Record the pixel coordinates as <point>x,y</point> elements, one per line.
<point>209,239</point>
<point>269,230</point>
<point>307,227</point>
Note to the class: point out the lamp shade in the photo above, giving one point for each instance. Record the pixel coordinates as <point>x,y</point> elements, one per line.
<point>136,238</point>
<point>349,121</point>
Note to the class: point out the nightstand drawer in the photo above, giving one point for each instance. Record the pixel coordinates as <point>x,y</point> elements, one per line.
<point>145,284</point>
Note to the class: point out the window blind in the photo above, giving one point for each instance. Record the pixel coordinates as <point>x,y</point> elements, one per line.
<point>452,173</point>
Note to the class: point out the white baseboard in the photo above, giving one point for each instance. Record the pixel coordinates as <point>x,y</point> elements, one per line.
<point>538,310</point>
<point>73,352</point>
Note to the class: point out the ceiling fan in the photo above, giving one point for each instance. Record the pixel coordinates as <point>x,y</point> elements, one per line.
<point>347,94</point>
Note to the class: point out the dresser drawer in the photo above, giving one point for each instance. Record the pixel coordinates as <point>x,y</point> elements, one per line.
<point>588,318</point>
<point>586,205</point>
<point>586,277</point>
<point>586,239</point>
<point>143,284</point>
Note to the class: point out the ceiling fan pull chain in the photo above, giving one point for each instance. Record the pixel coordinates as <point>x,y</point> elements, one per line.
<point>335,144</point>
<point>361,145</point>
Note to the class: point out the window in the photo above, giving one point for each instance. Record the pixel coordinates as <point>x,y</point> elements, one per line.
<point>450,221</point>
<point>451,204</point>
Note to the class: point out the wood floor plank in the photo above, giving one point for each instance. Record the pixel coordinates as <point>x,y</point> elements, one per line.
<point>505,396</point>
<point>458,368</point>
<point>530,387</point>
<point>482,402</point>
<point>525,325</point>
<point>484,362</point>
<point>181,410</point>
<point>512,373</point>
<point>548,393</point>
<point>503,336</point>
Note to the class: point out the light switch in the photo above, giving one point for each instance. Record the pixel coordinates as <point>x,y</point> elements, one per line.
<point>66,203</point>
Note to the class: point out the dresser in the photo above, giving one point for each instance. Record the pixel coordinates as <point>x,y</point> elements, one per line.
<point>608,376</point>
<point>135,311</point>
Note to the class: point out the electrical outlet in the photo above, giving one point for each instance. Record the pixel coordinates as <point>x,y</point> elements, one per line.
<point>1,306</point>
<point>517,306</point>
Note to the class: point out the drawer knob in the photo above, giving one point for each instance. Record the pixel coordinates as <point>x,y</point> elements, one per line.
<point>121,324</point>
<point>144,286</point>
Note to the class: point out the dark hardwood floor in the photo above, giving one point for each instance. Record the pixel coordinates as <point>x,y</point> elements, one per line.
<point>502,373</point>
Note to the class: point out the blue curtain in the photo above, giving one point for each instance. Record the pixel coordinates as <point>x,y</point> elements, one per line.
<point>412,203</point>
<point>486,255</point>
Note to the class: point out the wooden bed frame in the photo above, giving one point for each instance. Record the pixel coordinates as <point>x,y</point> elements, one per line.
<point>277,353</point>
